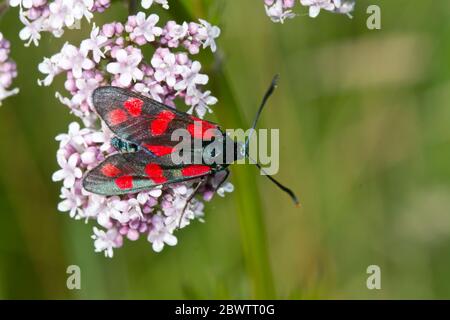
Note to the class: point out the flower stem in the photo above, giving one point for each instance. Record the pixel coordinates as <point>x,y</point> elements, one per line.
<point>4,6</point>
<point>132,7</point>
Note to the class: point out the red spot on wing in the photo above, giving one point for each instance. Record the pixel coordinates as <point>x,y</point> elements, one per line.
<point>199,129</point>
<point>159,151</point>
<point>134,106</point>
<point>110,170</point>
<point>160,124</point>
<point>117,116</point>
<point>195,170</point>
<point>155,173</point>
<point>125,182</point>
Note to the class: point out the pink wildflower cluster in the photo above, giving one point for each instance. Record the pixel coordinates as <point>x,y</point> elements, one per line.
<point>54,16</point>
<point>280,10</point>
<point>8,70</point>
<point>112,55</point>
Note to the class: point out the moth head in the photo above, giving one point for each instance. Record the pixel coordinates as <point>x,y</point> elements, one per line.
<point>235,150</point>
<point>239,150</point>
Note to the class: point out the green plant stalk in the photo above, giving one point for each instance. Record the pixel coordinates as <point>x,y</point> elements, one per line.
<point>249,211</point>
<point>132,7</point>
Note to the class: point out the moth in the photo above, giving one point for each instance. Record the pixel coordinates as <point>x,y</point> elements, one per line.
<point>143,131</point>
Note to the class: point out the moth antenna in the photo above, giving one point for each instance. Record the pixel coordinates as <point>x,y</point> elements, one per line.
<point>278,184</point>
<point>268,93</point>
<point>189,200</point>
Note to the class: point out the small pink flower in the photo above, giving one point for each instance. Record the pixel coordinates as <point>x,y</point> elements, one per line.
<point>159,235</point>
<point>146,4</point>
<point>191,78</point>
<point>316,5</point>
<point>209,33</point>
<point>75,60</point>
<point>126,66</point>
<point>200,101</point>
<point>280,10</point>
<point>106,241</point>
<point>71,202</point>
<point>94,44</point>
<point>8,70</point>
<point>69,171</point>
<point>166,67</point>
<point>174,33</point>
<point>75,136</point>
<point>49,67</point>
<point>89,156</point>
<point>85,88</point>
<point>145,29</point>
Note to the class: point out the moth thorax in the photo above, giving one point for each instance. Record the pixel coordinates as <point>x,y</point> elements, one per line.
<point>123,146</point>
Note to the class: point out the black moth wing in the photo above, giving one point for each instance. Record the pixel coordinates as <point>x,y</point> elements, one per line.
<point>131,116</point>
<point>124,173</point>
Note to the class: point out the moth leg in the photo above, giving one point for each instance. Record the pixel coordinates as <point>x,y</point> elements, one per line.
<point>196,190</point>
<point>193,194</point>
<point>223,180</point>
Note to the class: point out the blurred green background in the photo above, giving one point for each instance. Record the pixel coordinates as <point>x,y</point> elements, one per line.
<point>365,142</point>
